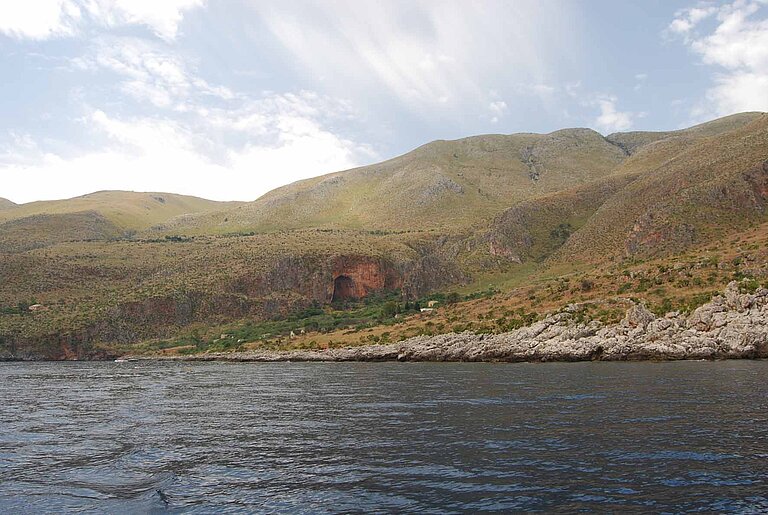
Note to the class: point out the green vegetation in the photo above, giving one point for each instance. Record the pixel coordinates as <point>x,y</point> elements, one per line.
<point>498,230</point>
<point>380,309</point>
<point>21,308</point>
<point>126,210</point>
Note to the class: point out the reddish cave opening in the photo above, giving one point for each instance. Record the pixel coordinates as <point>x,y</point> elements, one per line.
<point>343,288</point>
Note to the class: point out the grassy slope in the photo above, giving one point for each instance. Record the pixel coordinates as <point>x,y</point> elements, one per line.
<point>127,210</point>
<point>445,185</point>
<point>37,231</point>
<point>694,177</point>
<point>704,189</point>
<point>6,204</point>
<point>635,140</point>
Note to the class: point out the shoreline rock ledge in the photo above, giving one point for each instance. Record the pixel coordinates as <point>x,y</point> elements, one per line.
<point>733,325</point>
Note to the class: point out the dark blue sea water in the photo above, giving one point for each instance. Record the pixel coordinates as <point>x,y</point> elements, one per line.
<point>383,437</point>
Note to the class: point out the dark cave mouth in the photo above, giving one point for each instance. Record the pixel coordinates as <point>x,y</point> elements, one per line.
<point>343,288</point>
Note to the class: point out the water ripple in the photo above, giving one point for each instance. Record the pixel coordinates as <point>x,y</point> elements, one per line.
<point>386,437</point>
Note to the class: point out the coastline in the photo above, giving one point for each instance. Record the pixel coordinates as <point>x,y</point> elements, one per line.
<point>733,325</point>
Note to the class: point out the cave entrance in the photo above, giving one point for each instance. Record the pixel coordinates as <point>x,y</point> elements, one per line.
<point>343,288</point>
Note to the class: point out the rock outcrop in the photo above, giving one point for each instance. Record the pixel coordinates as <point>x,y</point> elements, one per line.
<point>355,277</point>
<point>322,279</point>
<point>732,325</point>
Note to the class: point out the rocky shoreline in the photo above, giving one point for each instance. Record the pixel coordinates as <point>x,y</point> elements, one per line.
<point>733,325</point>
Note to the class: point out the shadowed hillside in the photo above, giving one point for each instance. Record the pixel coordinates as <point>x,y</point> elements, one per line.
<point>709,188</point>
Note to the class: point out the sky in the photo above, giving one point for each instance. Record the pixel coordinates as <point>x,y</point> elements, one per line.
<point>227,99</point>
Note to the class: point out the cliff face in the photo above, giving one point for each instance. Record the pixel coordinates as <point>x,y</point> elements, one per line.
<point>292,283</point>
<point>355,277</point>
<point>323,280</point>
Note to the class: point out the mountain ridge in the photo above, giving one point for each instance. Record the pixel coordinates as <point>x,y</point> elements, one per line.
<point>479,214</point>
<point>128,210</point>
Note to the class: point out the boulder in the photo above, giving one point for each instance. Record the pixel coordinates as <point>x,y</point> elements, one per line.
<point>638,316</point>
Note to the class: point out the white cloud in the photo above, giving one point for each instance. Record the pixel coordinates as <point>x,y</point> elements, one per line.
<point>39,19</point>
<point>201,139</point>
<point>162,16</point>
<point>640,79</point>
<point>149,73</point>
<point>44,19</point>
<point>687,19</point>
<point>736,93</point>
<point>154,154</point>
<point>497,109</point>
<point>572,89</point>
<point>237,151</point>
<point>738,47</point>
<point>610,118</point>
<point>426,55</point>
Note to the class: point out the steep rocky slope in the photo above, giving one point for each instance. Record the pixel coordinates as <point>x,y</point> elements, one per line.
<point>675,190</point>
<point>126,291</point>
<point>715,185</point>
<point>536,228</point>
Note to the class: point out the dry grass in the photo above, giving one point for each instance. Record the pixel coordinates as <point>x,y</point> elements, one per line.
<point>594,226</point>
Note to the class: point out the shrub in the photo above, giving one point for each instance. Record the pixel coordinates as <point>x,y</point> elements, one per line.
<point>452,298</point>
<point>749,285</point>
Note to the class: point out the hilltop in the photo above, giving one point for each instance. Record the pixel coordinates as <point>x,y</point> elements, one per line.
<point>444,185</point>
<point>689,187</point>
<point>104,215</point>
<point>127,210</point>
<point>567,213</point>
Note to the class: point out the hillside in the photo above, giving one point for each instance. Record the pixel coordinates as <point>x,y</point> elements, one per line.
<point>674,190</point>
<point>129,211</point>
<point>37,231</point>
<point>708,189</point>
<point>451,186</point>
<point>633,141</point>
<point>444,185</point>
<point>473,216</point>
<point>6,204</point>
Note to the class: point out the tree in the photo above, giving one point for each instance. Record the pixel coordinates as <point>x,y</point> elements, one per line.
<point>390,309</point>
<point>453,298</point>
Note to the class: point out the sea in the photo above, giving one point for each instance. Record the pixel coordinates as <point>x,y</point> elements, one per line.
<point>187,437</point>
